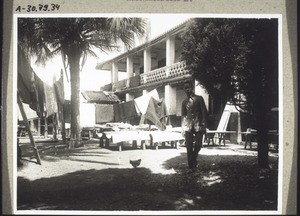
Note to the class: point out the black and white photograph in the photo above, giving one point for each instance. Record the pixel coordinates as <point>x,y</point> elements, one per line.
<point>149,107</point>
<point>154,113</point>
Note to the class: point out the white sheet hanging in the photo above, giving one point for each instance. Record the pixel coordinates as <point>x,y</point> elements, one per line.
<point>142,102</point>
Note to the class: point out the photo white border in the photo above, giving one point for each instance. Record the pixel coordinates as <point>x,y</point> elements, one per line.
<point>175,212</point>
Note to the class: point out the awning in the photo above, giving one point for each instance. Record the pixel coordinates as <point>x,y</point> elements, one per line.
<point>100,97</point>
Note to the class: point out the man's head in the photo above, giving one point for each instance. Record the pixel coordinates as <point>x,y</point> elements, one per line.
<point>188,88</point>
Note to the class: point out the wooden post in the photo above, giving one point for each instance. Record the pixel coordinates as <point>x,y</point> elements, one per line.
<point>46,128</point>
<point>134,144</point>
<point>143,144</point>
<point>39,127</point>
<point>120,144</point>
<point>61,116</point>
<point>101,142</point>
<point>28,129</point>
<point>172,144</point>
<point>54,123</point>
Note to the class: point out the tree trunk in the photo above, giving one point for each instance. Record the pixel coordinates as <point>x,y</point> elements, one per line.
<point>74,59</point>
<point>262,140</point>
<point>260,111</point>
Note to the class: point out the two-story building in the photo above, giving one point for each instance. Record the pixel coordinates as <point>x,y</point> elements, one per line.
<point>156,64</point>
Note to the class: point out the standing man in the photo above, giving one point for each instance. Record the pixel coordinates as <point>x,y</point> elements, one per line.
<point>193,123</point>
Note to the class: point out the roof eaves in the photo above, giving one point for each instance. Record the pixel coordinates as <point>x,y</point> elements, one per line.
<point>144,45</point>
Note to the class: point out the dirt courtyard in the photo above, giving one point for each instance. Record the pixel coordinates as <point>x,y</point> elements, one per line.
<point>99,179</point>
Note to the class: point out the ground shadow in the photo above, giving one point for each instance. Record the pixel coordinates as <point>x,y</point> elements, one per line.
<point>230,182</point>
<point>222,182</point>
<point>53,152</point>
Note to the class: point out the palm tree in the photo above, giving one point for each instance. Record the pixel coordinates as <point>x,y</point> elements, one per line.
<point>74,39</point>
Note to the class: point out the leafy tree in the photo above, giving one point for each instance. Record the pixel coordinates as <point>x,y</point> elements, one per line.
<point>74,39</point>
<point>237,60</point>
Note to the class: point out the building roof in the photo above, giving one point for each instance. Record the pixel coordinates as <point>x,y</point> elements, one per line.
<point>100,97</point>
<point>157,39</point>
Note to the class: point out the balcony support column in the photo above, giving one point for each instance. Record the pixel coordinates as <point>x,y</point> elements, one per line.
<point>129,70</point>
<point>114,74</point>
<point>170,52</point>
<point>129,97</point>
<point>170,99</point>
<point>200,91</point>
<point>145,91</point>
<point>147,60</point>
<point>129,67</point>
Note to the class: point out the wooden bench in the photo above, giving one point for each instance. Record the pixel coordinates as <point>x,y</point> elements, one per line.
<point>273,138</point>
<point>250,134</point>
<point>219,135</point>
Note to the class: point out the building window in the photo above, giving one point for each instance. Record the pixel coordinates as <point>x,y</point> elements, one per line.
<point>161,63</point>
<point>142,70</point>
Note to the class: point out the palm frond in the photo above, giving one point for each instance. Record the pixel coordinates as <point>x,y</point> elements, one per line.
<point>124,29</point>
<point>46,37</point>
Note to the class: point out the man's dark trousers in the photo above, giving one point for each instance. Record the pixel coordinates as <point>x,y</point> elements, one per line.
<point>192,147</point>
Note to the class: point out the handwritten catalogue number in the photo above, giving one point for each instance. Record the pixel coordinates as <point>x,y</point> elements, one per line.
<point>40,7</point>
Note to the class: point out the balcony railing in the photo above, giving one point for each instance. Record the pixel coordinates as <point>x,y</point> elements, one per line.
<point>175,70</point>
<point>178,69</point>
<point>154,76</point>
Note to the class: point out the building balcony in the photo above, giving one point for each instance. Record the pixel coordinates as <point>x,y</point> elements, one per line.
<point>173,71</point>
<point>154,76</point>
<point>168,74</point>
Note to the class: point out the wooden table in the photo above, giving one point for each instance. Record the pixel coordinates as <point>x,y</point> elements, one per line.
<point>153,138</point>
<point>165,136</point>
<point>118,137</point>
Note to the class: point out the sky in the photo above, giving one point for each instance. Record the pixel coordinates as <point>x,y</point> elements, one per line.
<point>92,79</point>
